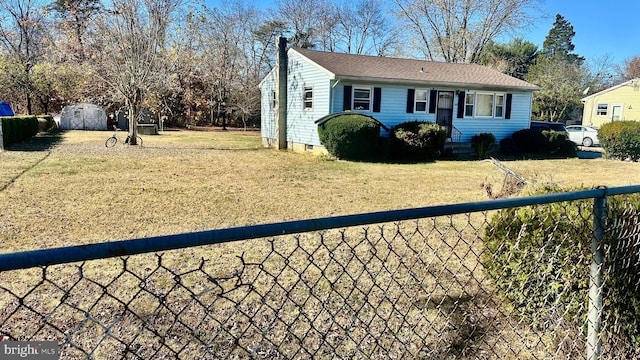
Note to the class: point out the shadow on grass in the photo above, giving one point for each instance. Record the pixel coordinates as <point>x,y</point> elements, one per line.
<point>42,142</point>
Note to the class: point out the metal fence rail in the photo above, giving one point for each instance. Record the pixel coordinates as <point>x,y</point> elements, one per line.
<point>415,283</point>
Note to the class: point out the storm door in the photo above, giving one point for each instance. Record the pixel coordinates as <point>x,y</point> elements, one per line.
<point>444,115</point>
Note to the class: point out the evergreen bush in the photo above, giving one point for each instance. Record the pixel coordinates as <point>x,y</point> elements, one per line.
<point>483,144</point>
<point>417,140</point>
<point>621,140</point>
<point>16,129</point>
<point>350,137</point>
<point>539,258</point>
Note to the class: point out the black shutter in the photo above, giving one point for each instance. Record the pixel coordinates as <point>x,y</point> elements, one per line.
<point>507,110</point>
<point>377,98</point>
<point>433,98</point>
<point>411,98</point>
<point>346,105</point>
<point>461,97</point>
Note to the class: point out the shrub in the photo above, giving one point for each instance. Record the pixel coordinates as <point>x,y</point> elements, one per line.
<point>508,146</point>
<point>353,137</point>
<point>529,141</point>
<point>621,140</point>
<point>17,129</point>
<point>539,257</point>
<point>483,144</point>
<point>417,140</point>
<point>544,142</point>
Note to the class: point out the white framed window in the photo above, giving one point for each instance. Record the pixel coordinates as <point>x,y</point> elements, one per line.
<point>484,105</point>
<point>469,103</point>
<point>308,97</point>
<point>421,100</point>
<point>499,113</point>
<point>361,98</point>
<point>602,110</point>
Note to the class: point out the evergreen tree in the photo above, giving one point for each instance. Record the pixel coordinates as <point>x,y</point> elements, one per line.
<point>514,58</point>
<point>559,42</point>
<point>560,73</point>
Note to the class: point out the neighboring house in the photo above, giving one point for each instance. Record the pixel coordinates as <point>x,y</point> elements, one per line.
<point>467,99</point>
<point>621,102</point>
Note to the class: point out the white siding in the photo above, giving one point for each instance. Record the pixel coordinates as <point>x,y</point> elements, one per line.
<point>267,111</point>
<point>301,127</point>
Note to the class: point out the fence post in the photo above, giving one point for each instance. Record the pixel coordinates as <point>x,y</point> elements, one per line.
<point>594,325</point>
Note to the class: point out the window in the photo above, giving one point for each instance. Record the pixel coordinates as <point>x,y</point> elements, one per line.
<point>499,106</point>
<point>421,101</point>
<point>273,100</point>
<point>308,98</point>
<point>602,109</point>
<point>361,98</point>
<point>484,105</point>
<point>468,105</point>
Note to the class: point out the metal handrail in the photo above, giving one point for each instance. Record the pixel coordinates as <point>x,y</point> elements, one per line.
<point>456,134</point>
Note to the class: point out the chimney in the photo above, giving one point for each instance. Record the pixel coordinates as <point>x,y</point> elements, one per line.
<point>281,94</point>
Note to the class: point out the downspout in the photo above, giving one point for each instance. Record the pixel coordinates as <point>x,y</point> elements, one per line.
<point>281,93</point>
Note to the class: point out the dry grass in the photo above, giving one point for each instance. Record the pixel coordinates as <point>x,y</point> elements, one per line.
<point>69,189</point>
<point>79,192</point>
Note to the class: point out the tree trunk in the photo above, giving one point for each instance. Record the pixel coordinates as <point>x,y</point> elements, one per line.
<point>133,128</point>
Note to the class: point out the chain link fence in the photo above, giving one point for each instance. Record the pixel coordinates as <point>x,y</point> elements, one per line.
<point>459,285</point>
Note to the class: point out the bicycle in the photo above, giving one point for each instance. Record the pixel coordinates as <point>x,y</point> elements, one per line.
<point>113,140</point>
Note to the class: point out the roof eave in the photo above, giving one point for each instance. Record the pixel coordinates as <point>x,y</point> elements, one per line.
<point>480,86</point>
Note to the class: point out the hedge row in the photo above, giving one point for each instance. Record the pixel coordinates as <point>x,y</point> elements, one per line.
<point>539,142</point>
<point>621,140</point>
<point>357,137</point>
<point>19,128</point>
<point>539,259</point>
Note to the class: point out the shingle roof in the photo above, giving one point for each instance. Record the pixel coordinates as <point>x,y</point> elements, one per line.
<point>386,69</point>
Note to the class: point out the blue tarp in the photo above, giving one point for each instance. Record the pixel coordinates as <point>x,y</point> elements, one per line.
<point>5,109</point>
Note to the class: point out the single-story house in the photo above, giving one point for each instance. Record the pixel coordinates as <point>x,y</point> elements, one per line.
<point>467,99</point>
<point>617,103</point>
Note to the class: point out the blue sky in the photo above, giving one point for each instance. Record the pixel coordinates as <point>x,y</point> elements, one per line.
<point>603,27</point>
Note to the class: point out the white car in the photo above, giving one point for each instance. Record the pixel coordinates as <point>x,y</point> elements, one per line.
<point>583,135</point>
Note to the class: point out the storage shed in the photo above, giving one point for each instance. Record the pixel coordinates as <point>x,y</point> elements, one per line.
<point>83,117</point>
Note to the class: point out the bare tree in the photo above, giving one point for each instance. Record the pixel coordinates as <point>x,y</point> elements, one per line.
<point>629,69</point>
<point>364,28</point>
<point>22,39</point>
<point>131,39</point>
<point>304,20</point>
<point>74,19</point>
<point>458,30</point>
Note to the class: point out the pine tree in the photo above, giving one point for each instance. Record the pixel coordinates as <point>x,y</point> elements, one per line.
<point>559,42</point>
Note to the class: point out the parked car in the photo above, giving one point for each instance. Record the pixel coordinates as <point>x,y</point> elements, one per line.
<point>583,135</point>
<point>547,125</point>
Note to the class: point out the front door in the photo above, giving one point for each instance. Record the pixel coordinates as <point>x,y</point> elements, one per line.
<point>616,113</point>
<point>444,115</point>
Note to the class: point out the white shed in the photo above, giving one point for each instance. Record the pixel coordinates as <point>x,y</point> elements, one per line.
<point>83,117</point>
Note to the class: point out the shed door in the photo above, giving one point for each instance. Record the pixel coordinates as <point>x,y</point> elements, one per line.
<point>444,116</point>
